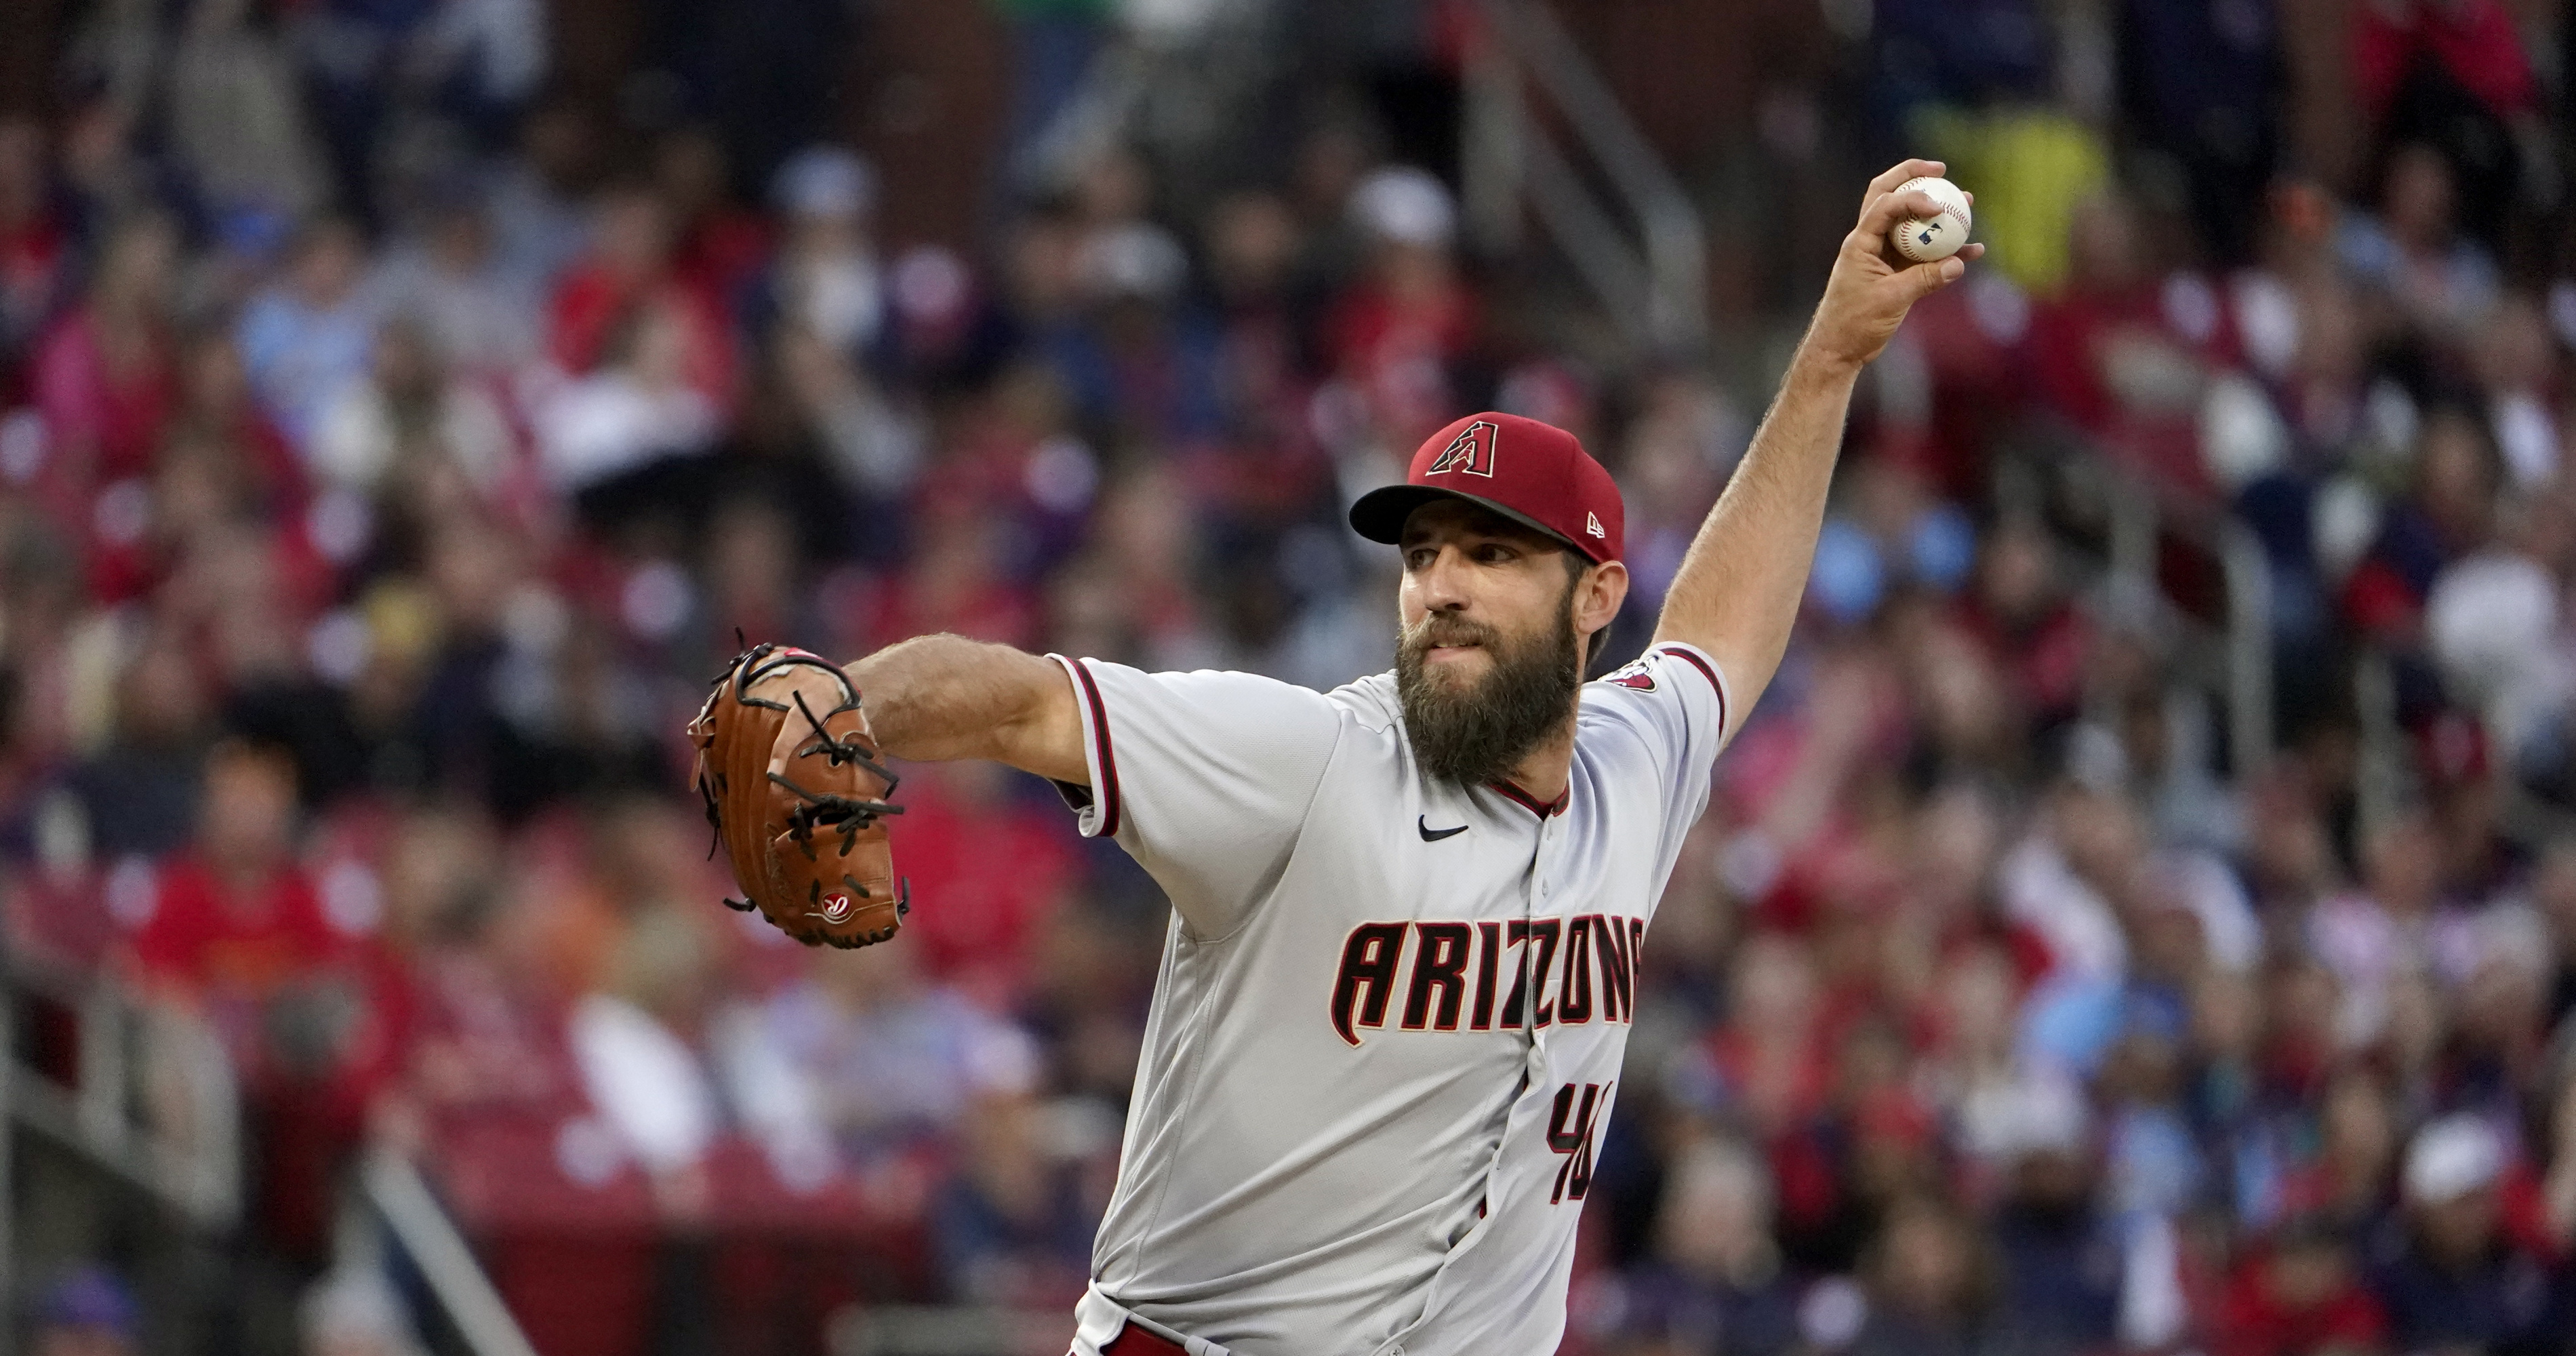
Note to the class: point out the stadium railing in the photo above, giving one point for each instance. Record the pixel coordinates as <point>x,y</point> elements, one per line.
<point>1654,285</point>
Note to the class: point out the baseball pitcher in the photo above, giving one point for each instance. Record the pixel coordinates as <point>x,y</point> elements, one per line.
<point>1407,914</point>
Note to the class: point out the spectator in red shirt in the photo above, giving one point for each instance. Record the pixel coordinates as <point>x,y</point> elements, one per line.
<point>1771,1053</point>
<point>491,1030</point>
<point>221,467</point>
<point>720,246</point>
<point>235,925</point>
<point>956,581</point>
<point>2124,353</point>
<point>2299,1295</point>
<point>2472,42</point>
<point>238,933</point>
<point>628,271</point>
<point>2020,609</point>
<point>1398,333</point>
<point>996,864</point>
<point>2453,72</point>
<point>216,404</point>
<point>105,379</point>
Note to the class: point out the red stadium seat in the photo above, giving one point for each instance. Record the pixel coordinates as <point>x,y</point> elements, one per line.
<point>573,1259</point>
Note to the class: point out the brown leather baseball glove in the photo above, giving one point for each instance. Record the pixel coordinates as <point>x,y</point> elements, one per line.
<point>790,776</point>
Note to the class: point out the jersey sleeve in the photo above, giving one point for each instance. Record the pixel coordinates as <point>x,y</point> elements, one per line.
<point>1674,705</point>
<point>1204,778</point>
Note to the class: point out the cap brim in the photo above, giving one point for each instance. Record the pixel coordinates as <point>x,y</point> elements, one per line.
<point>1380,514</point>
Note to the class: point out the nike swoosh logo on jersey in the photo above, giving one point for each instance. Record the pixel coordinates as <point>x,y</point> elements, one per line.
<point>1432,835</point>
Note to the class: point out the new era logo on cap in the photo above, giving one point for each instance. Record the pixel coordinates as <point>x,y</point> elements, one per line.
<point>1533,473</point>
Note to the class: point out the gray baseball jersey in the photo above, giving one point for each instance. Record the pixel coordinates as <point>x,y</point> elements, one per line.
<point>1387,1031</point>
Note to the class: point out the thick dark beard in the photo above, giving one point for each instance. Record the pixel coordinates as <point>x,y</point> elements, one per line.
<point>1480,734</point>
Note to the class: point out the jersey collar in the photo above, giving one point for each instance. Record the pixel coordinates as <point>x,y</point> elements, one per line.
<point>1523,799</point>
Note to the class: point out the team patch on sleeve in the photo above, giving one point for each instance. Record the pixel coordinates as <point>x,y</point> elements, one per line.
<point>1637,675</point>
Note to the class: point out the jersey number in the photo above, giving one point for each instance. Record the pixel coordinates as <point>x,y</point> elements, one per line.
<point>1569,1132</point>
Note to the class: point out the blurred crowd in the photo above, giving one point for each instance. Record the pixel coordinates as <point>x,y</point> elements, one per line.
<point>391,449</point>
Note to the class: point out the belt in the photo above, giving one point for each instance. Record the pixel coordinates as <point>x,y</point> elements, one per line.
<point>1135,1341</point>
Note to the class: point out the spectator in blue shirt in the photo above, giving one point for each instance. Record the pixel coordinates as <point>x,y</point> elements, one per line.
<point>308,338</point>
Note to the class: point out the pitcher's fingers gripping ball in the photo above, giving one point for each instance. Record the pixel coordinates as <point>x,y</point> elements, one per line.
<point>793,785</point>
<point>1929,239</point>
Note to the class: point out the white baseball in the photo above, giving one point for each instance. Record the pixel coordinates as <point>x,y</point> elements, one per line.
<point>1926,239</point>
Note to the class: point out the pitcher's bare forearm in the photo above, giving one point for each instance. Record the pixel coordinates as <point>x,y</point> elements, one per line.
<point>942,697</point>
<point>1738,589</point>
<point>1737,592</point>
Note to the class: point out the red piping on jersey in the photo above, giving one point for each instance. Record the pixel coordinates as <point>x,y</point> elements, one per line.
<point>1531,803</point>
<point>1708,673</point>
<point>1108,762</point>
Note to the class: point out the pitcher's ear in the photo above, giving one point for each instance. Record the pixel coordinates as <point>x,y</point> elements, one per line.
<point>1598,595</point>
<point>1609,583</point>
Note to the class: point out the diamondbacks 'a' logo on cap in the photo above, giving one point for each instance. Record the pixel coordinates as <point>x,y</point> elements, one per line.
<point>1472,451</point>
<point>1592,524</point>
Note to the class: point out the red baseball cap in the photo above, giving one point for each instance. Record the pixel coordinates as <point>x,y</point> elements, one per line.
<point>1535,474</point>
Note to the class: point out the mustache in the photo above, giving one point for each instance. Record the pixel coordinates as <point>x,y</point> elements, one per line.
<point>1443,629</point>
